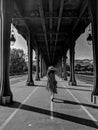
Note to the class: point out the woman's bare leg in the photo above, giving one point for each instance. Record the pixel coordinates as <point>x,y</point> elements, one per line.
<point>52,96</point>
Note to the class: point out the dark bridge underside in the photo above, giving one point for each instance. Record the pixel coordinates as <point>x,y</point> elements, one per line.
<point>51,23</point>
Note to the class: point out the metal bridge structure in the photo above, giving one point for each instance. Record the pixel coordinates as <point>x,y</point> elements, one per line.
<point>51,28</point>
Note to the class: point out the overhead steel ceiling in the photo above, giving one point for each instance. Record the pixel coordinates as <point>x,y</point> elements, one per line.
<point>51,23</point>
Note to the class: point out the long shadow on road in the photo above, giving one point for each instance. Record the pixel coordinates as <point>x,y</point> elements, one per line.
<point>76,89</point>
<point>56,100</point>
<point>74,119</point>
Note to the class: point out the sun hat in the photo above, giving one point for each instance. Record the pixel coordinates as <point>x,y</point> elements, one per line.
<point>51,68</point>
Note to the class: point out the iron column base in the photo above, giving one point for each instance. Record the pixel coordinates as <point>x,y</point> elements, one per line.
<point>30,83</point>
<point>37,79</point>
<point>6,99</point>
<point>72,83</point>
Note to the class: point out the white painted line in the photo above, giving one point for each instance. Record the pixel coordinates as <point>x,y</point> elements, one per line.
<point>84,108</point>
<point>13,114</point>
<point>51,107</point>
<point>30,125</point>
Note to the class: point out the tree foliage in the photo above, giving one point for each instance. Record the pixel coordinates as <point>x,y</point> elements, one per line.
<point>86,68</point>
<point>77,67</point>
<point>17,61</point>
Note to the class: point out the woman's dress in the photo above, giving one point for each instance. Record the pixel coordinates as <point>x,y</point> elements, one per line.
<point>51,83</point>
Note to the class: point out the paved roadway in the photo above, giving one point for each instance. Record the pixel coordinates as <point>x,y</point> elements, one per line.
<point>88,79</point>
<point>32,108</point>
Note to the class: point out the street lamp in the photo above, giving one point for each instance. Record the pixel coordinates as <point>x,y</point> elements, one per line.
<point>89,37</point>
<point>12,37</point>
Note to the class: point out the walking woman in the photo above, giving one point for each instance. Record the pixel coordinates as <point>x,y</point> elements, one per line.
<point>51,81</point>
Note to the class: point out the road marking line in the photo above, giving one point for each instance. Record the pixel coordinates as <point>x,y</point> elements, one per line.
<point>30,125</point>
<point>84,108</point>
<point>13,114</point>
<point>51,106</point>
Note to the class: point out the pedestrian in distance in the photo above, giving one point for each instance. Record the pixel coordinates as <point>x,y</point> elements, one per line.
<point>51,81</point>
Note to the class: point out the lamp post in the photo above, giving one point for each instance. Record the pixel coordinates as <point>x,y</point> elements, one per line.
<point>89,37</point>
<point>12,37</point>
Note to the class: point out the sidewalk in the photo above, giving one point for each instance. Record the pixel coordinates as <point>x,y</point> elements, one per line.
<point>72,108</point>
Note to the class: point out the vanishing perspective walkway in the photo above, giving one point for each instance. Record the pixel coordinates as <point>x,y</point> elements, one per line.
<point>32,108</point>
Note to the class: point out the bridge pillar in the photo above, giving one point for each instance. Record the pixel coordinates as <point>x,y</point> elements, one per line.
<point>64,73</point>
<point>93,6</point>
<point>6,10</point>
<point>57,68</point>
<point>40,65</point>
<point>72,80</point>
<point>60,67</point>
<point>30,81</point>
<point>44,70</point>
<point>37,64</point>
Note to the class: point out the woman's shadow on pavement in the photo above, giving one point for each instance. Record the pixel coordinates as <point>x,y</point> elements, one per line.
<point>63,116</point>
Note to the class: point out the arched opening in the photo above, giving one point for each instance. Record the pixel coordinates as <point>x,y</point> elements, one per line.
<point>18,54</point>
<point>84,56</point>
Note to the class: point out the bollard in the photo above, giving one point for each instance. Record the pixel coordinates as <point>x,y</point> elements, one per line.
<point>91,97</point>
<point>94,99</point>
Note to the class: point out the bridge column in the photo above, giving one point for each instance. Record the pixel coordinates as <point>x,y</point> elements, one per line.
<point>93,6</point>
<point>72,80</point>
<point>40,65</point>
<point>37,64</point>
<point>30,81</point>
<point>57,68</point>
<point>44,70</point>
<point>64,73</point>
<point>6,9</point>
<point>60,67</point>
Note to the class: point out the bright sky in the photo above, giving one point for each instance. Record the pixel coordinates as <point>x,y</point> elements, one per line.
<point>21,43</point>
<point>82,49</point>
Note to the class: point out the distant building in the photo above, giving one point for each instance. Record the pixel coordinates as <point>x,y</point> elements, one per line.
<point>84,62</point>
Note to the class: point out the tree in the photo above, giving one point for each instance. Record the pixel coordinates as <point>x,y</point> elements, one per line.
<point>90,68</point>
<point>77,67</point>
<point>17,61</point>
